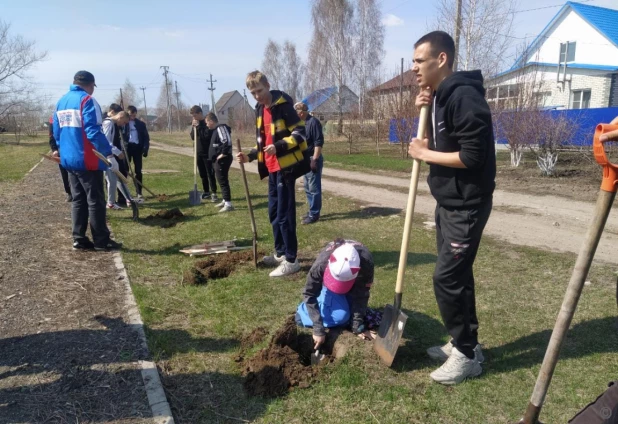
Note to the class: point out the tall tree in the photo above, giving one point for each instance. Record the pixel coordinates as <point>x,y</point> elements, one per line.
<point>129,95</point>
<point>272,64</point>
<point>485,33</point>
<point>369,47</point>
<point>17,56</point>
<point>292,71</point>
<point>161,108</point>
<point>331,58</point>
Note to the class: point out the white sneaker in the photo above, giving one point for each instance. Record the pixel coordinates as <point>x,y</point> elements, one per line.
<point>114,206</point>
<point>139,199</point>
<point>441,353</point>
<point>220,205</point>
<point>273,260</point>
<point>456,369</point>
<point>226,208</point>
<point>285,268</point>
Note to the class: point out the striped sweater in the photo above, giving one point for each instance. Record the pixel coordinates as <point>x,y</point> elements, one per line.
<point>288,132</point>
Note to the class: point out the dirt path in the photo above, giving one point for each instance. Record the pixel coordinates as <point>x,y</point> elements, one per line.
<point>66,352</point>
<point>547,222</point>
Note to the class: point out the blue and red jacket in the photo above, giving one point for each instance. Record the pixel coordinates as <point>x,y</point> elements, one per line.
<point>77,130</point>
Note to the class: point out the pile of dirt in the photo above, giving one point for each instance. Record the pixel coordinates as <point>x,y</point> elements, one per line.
<point>256,336</point>
<point>282,366</point>
<point>165,218</point>
<point>163,197</point>
<point>217,266</point>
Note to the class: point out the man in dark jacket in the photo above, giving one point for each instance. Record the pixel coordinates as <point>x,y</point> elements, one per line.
<point>313,178</point>
<point>137,141</point>
<point>462,170</point>
<point>337,289</point>
<point>204,164</point>
<point>63,172</point>
<point>220,154</point>
<point>281,152</point>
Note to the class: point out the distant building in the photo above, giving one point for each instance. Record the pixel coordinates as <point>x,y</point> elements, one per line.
<point>234,110</point>
<point>573,63</point>
<point>324,103</point>
<point>385,96</point>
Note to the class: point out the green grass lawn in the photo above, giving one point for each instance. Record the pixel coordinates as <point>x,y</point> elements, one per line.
<point>17,159</point>
<point>193,331</point>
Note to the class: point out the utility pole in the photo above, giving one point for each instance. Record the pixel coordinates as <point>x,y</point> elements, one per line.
<point>212,95</point>
<point>401,87</point>
<point>177,105</point>
<point>145,107</point>
<point>244,108</point>
<point>121,101</point>
<point>457,33</point>
<point>167,98</point>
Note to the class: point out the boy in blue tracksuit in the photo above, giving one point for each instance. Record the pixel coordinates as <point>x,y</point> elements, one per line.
<point>77,130</point>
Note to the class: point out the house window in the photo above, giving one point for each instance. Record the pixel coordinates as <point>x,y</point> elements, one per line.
<point>567,52</point>
<point>581,99</point>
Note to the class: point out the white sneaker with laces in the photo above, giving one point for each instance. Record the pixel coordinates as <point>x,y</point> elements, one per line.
<point>220,205</point>
<point>227,208</point>
<point>273,260</point>
<point>113,206</point>
<point>456,369</point>
<point>441,353</point>
<point>139,199</point>
<point>285,268</point>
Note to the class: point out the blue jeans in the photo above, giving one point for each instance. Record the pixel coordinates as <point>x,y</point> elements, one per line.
<point>282,214</point>
<point>313,189</point>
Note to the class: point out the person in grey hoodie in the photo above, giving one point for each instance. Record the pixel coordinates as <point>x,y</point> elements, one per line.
<point>459,149</point>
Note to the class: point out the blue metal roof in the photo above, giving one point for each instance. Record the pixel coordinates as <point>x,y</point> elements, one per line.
<point>601,18</point>
<point>315,99</point>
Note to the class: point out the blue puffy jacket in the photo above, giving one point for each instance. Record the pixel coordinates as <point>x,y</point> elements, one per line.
<point>77,130</point>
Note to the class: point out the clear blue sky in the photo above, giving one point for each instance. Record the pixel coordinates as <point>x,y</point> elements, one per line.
<point>116,40</point>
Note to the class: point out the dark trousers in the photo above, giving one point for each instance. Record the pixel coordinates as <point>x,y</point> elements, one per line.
<point>135,151</point>
<point>458,236</point>
<point>65,179</point>
<point>222,170</point>
<point>88,203</point>
<point>207,174</point>
<point>282,214</point>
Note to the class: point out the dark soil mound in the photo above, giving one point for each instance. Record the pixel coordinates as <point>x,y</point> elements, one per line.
<point>256,336</point>
<point>165,218</point>
<point>283,365</point>
<point>216,266</point>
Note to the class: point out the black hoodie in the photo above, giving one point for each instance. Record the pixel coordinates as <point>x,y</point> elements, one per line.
<point>220,142</point>
<point>461,120</point>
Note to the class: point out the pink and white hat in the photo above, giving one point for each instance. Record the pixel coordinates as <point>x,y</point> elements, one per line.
<point>342,270</point>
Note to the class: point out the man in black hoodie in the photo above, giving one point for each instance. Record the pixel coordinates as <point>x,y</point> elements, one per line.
<point>204,164</point>
<point>460,151</point>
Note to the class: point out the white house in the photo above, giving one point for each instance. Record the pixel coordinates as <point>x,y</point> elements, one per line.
<point>572,64</point>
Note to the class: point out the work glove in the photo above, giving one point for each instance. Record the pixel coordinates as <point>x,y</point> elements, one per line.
<point>145,154</point>
<point>113,165</point>
<point>314,165</point>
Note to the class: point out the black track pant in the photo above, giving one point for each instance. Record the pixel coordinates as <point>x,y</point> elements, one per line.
<point>458,235</point>
<point>207,174</point>
<point>135,151</point>
<point>222,170</point>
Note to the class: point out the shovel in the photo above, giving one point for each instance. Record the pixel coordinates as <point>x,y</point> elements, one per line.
<point>195,197</point>
<point>578,277</point>
<point>123,186</point>
<point>393,319</point>
<point>317,357</point>
<point>244,179</point>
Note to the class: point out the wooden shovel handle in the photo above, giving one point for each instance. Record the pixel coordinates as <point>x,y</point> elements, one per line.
<point>416,168</point>
<point>610,170</point>
<point>106,162</point>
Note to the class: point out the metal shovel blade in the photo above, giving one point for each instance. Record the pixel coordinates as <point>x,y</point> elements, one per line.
<point>195,197</point>
<point>389,334</point>
<point>317,357</point>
